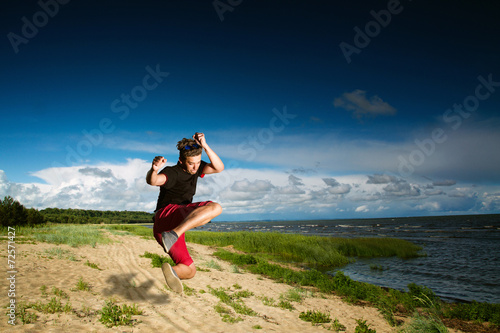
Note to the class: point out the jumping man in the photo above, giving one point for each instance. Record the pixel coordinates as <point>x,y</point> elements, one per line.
<point>175,212</point>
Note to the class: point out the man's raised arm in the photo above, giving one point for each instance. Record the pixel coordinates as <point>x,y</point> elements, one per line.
<point>215,165</point>
<point>152,177</point>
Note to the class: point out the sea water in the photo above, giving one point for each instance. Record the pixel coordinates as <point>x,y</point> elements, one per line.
<point>463,252</point>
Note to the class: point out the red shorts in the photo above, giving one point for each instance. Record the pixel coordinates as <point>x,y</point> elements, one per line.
<point>169,218</point>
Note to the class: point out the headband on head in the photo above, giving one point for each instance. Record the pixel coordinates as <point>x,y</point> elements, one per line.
<point>193,146</point>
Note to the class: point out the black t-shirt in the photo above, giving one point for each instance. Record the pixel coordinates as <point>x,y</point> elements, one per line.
<point>180,186</point>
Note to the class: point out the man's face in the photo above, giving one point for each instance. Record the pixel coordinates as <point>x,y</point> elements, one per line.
<point>191,164</point>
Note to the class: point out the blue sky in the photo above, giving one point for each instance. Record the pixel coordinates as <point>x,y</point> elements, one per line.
<point>318,109</point>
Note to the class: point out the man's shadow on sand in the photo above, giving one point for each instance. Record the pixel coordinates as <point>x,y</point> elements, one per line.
<point>125,285</point>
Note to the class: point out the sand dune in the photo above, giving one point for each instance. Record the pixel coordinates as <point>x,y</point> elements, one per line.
<point>129,278</point>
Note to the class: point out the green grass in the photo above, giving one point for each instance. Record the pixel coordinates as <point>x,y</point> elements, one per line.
<point>214,265</point>
<point>286,305</point>
<point>59,253</point>
<point>388,302</point>
<point>43,290</point>
<point>283,303</point>
<point>337,326</point>
<point>61,293</point>
<point>315,317</point>
<point>157,260</point>
<point>53,306</point>
<point>25,310</point>
<point>235,269</point>
<point>363,327</point>
<point>188,291</point>
<point>226,314</point>
<point>475,311</point>
<point>26,317</point>
<point>92,265</point>
<point>268,301</point>
<point>74,235</point>
<point>421,323</point>
<point>294,295</point>
<point>114,315</point>
<point>128,229</point>
<point>82,285</point>
<point>234,300</point>
<point>312,250</point>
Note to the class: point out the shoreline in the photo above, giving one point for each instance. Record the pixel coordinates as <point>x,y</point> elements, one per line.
<point>128,278</point>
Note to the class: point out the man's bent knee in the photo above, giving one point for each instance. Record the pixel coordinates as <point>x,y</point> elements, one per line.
<point>191,272</point>
<point>216,208</point>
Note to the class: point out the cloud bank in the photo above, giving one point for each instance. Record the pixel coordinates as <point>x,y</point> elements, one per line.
<point>248,194</point>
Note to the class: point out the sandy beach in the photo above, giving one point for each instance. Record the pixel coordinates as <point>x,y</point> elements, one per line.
<point>128,278</point>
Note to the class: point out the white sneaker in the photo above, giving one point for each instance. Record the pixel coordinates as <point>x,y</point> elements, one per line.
<point>171,277</point>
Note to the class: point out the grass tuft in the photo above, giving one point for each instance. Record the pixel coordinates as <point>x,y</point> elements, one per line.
<point>337,326</point>
<point>92,265</point>
<point>115,315</point>
<point>363,327</point>
<point>58,292</point>
<point>188,291</point>
<point>315,317</point>
<point>214,265</point>
<point>82,285</point>
<point>234,300</point>
<point>157,260</point>
<point>53,306</point>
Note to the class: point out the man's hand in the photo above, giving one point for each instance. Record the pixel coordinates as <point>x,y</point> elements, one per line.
<point>152,177</point>
<point>158,162</point>
<point>200,139</point>
<point>215,165</point>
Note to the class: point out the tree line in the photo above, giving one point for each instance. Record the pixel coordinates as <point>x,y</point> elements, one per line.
<point>12,213</point>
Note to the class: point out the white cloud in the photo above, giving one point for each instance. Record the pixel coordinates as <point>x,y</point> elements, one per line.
<point>490,202</point>
<point>402,189</point>
<point>252,186</point>
<point>430,206</point>
<point>253,193</point>
<point>362,209</point>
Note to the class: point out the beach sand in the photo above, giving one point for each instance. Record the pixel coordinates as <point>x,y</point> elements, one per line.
<point>129,278</point>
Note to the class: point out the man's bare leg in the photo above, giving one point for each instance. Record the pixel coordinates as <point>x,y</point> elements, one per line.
<point>198,217</point>
<point>171,278</point>
<point>184,271</point>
